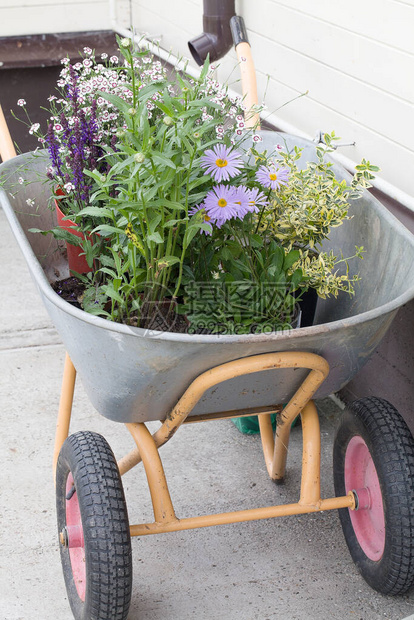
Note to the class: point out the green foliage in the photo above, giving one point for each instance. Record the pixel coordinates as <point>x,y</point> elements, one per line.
<point>303,212</point>
<point>149,237</point>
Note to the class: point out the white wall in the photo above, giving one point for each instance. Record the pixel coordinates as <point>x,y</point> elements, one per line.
<point>356,59</point>
<point>23,17</point>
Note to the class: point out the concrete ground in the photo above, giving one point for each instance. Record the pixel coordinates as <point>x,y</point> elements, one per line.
<point>292,568</point>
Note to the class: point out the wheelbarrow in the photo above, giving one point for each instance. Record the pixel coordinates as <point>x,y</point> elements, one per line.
<point>133,376</point>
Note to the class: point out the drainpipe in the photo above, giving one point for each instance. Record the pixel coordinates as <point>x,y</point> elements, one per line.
<point>215,40</point>
<point>143,41</point>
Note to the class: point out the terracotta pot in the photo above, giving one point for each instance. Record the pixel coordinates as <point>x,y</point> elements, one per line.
<point>77,262</point>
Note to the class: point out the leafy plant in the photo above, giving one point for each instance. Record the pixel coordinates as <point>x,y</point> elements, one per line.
<point>304,211</point>
<point>180,212</point>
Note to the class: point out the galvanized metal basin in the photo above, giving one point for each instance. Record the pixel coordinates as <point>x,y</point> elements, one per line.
<point>132,375</point>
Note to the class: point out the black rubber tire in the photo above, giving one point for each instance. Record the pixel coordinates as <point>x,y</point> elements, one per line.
<point>391,446</point>
<point>104,517</point>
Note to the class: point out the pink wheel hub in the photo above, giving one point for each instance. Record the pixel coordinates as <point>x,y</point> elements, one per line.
<point>75,541</point>
<point>368,520</point>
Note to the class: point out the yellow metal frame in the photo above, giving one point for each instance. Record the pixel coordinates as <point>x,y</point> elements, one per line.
<point>275,446</point>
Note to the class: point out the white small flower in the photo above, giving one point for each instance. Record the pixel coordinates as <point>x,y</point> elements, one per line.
<point>21,180</point>
<point>87,51</point>
<point>58,127</point>
<point>114,60</point>
<point>104,56</point>
<point>87,62</point>
<point>279,147</point>
<point>21,102</point>
<point>243,59</point>
<point>257,138</point>
<point>68,187</point>
<point>77,66</point>
<point>41,140</point>
<point>30,202</point>
<point>64,61</point>
<point>51,98</point>
<point>35,127</point>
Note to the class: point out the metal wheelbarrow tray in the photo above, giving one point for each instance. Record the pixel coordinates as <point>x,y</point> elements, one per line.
<point>132,375</point>
<point>135,376</point>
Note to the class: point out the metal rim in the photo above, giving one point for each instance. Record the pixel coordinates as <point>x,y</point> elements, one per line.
<point>75,542</point>
<point>368,519</point>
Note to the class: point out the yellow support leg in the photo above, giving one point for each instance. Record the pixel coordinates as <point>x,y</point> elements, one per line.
<point>160,495</point>
<point>65,408</point>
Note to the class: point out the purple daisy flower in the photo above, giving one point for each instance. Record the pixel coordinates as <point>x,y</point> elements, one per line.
<point>206,218</point>
<point>242,199</point>
<point>221,162</point>
<point>256,199</point>
<point>272,176</point>
<point>220,204</point>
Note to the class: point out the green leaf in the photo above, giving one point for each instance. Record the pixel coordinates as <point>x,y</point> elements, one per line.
<point>152,224</point>
<point>191,232</point>
<point>290,259</point>
<point>172,204</point>
<point>167,261</point>
<point>106,229</point>
<point>163,160</point>
<point>109,272</point>
<point>193,184</point>
<point>95,212</point>
<point>112,293</point>
<point>171,223</point>
<point>296,278</point>
<point>60,234</point>
<point>119,103</point>
<point>156,237</point>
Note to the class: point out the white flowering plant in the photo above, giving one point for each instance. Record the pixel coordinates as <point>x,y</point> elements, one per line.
<point>180,214</point>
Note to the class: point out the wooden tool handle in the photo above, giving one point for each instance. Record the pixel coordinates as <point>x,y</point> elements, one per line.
<point>7,150</point>
<point>249,84</point>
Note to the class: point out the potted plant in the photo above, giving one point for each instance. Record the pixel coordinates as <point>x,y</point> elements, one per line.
<point>184,222</point>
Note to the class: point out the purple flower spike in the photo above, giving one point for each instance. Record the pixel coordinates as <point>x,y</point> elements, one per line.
<point>272,176</point>
<point>220,203</point>
<point>221,162</point>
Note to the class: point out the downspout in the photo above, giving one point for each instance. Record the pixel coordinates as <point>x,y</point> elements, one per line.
<point>215,40</point>
<point>143,41</point>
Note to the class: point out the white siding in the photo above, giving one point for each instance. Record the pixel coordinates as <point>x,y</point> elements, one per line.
<point>18,18</point>
<point>355,59</point>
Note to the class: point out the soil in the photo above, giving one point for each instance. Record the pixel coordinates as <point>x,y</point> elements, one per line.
<point>70,289</point>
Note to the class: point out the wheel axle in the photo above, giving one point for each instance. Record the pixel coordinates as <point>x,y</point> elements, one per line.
<point>71,537</point>
<point>362,498</point>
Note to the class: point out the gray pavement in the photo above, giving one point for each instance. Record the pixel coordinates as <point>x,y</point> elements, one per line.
<point>292,568</point>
